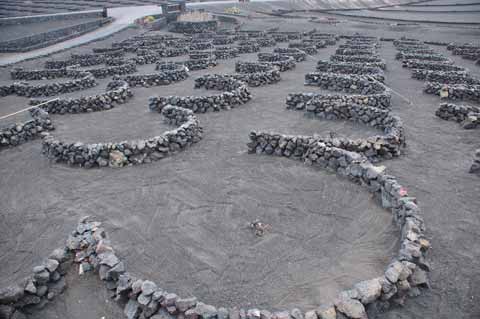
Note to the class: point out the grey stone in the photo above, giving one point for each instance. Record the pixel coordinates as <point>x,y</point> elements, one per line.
<point>351,307</point>
<point>11,294</point>
<point>148,287</point>
<point>369,290</point>
<point>132,309</point>
<point>183,304</point>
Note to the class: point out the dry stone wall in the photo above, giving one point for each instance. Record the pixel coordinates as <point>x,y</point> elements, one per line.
<point>120,154</point>
<point>235,93</point>
<point>118,92</point>
<point>19,133</point>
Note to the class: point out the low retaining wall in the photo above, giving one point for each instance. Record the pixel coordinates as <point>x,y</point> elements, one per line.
<point>20,133</point>
<point>45,39</point>
<point>453,91</point>
<point>448,77</point>
<point>299,101</point>
<point>193,27</point>
<point>129,152</point>
<point>349,83</point>
<point>118,92</point>
<point>236,93</point>
<point>433,66</point>
<point>468,115</point>
<point>165,77</point>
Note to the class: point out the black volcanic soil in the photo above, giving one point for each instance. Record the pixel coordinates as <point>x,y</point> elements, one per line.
<point>182,221</point>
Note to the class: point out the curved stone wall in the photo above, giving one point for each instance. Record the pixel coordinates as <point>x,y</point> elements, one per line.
<point>433,66</point>
<point>350,83</point>
<point>283,62</point>
<point>299,101</point>
<point>117,92</point>
<point>19,133</point>
<point>165,77</point>
<point>125,153</point>
<point>351,68</point>
<point>236,93</point>
<point>453,91</point>
<point>81,81</point>
<point>356,58</point>
<point>467,115</point>
<point>448,77</point>
<point>297,54</point>
<point>475,168</point>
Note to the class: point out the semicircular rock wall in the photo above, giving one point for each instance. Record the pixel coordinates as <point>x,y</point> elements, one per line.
<point>119,154</point>
<point>235,93</point>
<point>118,92</point>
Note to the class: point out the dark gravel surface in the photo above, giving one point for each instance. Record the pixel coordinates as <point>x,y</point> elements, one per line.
<point>182,221</point>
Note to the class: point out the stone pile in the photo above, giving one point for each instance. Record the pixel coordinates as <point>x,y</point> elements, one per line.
<point>118,92</point>
<point>173,52</point>
<point>453,91</point>
<point>467,115</point>
<point>475,168</point>
<point>165,77</point>
<point>298,101</point>
<point>352,46</point>
<point>20,133</point>
<point>199,64</point>
<point>448,77</point>
<point>297,54</point>
<point>235,93</point>
<point>349,83</point>
<point>129,152</point>
<point>452,46</point>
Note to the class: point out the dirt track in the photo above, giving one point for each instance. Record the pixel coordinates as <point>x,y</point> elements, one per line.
<point>182,221</point>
